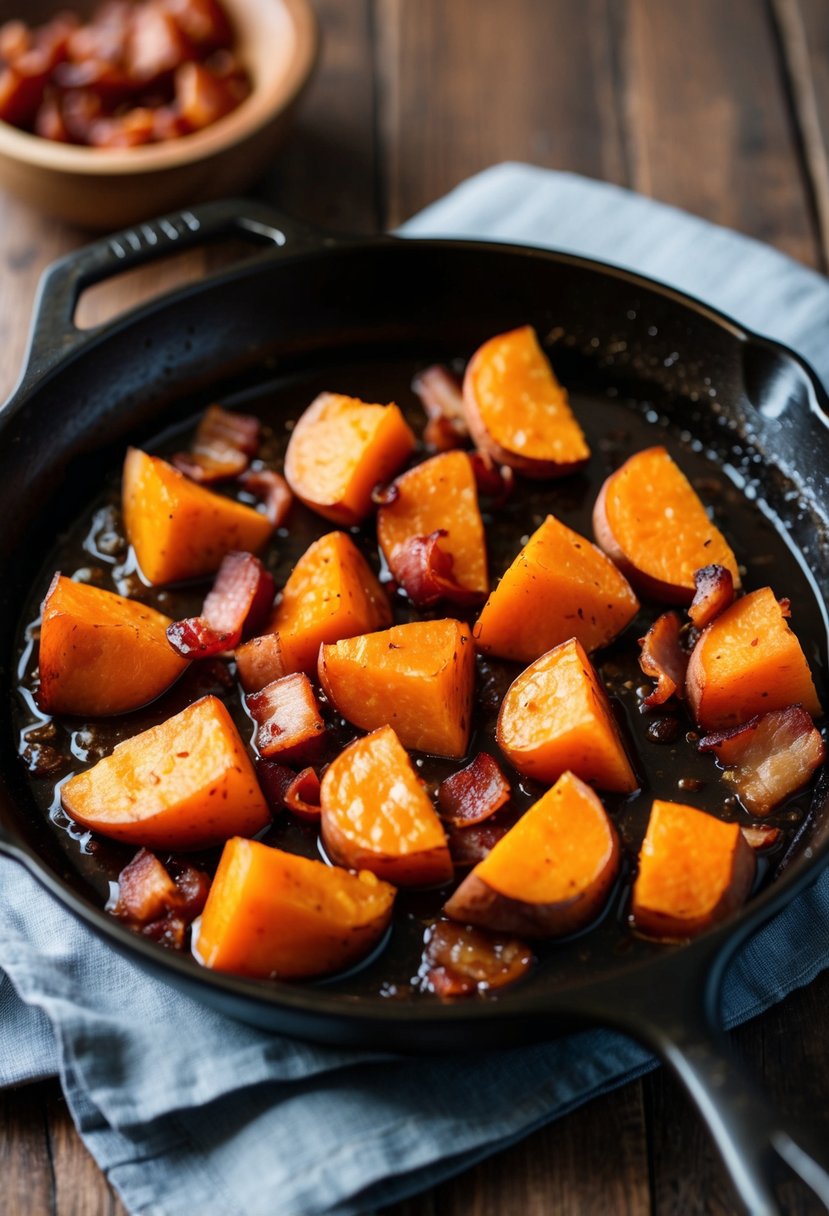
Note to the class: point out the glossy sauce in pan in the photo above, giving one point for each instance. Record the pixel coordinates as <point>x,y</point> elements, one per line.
<point>661,742</point>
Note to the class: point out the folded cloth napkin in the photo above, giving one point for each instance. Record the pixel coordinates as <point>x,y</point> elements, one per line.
<point>188,1111</point>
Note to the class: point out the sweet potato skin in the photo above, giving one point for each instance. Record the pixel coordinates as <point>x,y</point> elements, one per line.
<point>187,783</point>
<point>694,871</point>
<point>556,716</point>
<point>418,678</point>
<point>275,914</point>
<point>516,410</point>
<point>180,530</point>
<point>559,586</point>
<point>658,551</point>
<point>340,449</point>
<point>746,662</point>
<point>101,654</point>
<point>525,884</point>
<point>377,816</point>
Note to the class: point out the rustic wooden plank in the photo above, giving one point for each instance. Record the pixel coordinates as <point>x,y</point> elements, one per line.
<point>25,1164</point>
<point>468,84</point>
<point>709,124</point>
<point>75,1171</point>
<point>804,34</point>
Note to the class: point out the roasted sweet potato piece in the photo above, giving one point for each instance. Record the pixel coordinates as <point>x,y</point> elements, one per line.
<point>438,495</point>
<point>459,961</point>
<point>418,678</point>
<point>187,783</point>
<point>748,662</point>
<point>340,449</point>
<point>474,793</point>
<point>649,519</point>
<point>377,816</point>
<point>290,727</point>
<point>331,594</point>
<point>517,411</point>
<point>551,874</point>
<point>769,757</point>
<point>560,586</point>
<point>664,659</point>
<point>556,716</point>
<point>181,530</point>
<point>274,914</point>
<point>694,870</point>
<point>714,593</point>
<point>101,654</point>
<point>259,661</point>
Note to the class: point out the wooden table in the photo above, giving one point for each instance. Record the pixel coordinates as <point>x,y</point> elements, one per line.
<point>718,107</point>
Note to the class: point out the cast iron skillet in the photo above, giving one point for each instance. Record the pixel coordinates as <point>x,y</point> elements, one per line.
<point>304,300</point>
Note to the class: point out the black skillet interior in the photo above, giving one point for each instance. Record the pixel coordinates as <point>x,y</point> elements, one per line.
<point>644,366</point>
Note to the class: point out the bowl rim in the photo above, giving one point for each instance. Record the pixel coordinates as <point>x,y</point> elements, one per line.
<point>250,117</point>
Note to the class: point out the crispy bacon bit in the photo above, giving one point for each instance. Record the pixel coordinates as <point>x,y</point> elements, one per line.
<point>385,495</point>
<point>471,844</point>
<point>769,757</point>
<point>290,725</point>
<point>761,836</point>
<point>424,571</point>
<point>663,659</point>
<point>158,905</point>
<point>715,593</point>
<point>494,481</point>
<point>459,961</point>
<point>302,797</point>
<point>223,446</point>
<point>239,601</point>
<point>274,779</point>
<point>273,490</point>
<point>473,794</point>
<point>441,396</point>
<point>259,662</point>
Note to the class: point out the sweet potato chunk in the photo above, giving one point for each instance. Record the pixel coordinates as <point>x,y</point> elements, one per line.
<point>694,870</point>
<point>340,449</point>
<point>560,586</point>
<point>272,914</point>
<point>101,654</point>
<point>439,494</point>
<point>418,678</point>
<point>517,411</point>
<point>770,757</point>
<point>556,716</point>
<point>551,874</point>
<point>748,662</point>
<point>332,594</point>
<point>649,519</point>
<point>181,530</point>
<point>377,816</point>
<point>187,783</point>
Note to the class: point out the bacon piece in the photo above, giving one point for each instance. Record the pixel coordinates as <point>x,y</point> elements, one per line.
<point>288,716</point>
<point>493,481</point>
<point>441,396</point>
<point>148,895</point>
<point>474,793</point>
<point>204,22</point>
<point>761,836</point>
<point>274,778</point>
<point>714,593</point>
<point>459,961</point>
<point>769,757</point>
<point>471,844</point>
<point>664,659</point>
<point>239,600</point>
<point>222,446</point>
<point>273,490</point>
<point>302,797</point>
<point>424,571</point>
<point>259,661</point>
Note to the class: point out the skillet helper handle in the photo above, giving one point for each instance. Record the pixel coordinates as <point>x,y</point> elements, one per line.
<point>677,1016</point>
<point>54,334</point>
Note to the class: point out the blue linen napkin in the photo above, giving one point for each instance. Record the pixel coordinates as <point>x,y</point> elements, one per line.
<point>188,1111</point>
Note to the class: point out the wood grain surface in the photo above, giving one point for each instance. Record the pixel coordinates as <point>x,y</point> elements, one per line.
<point>720,108</point>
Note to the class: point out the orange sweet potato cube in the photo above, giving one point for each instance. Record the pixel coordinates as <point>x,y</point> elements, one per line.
<point>556,716</point>
<point>187,783</point>
<point>418,678</point>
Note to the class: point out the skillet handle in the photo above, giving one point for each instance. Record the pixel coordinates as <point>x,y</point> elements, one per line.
<point>54,334</point>
<point>677,1016</point>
